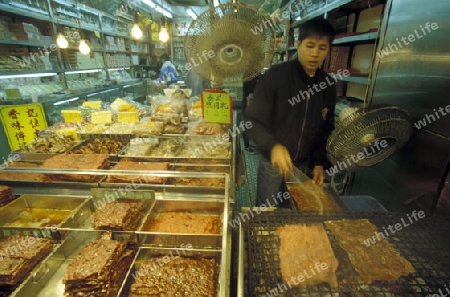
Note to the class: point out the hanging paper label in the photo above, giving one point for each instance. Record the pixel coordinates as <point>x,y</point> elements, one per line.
<point>217,107</point>
<point>22,123</point>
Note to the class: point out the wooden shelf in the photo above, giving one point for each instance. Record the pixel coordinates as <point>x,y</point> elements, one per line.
<point>358,39</point>
<point>25,43</point>
<point>27,12</point>
<point>319,11</point>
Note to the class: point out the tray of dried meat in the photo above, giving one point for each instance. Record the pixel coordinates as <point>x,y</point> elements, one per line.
<point>20,255</point>
<point>174,222</point>
<point>83,164</point>
<point>102,145</point>
<point>115,214</point>
<point>13,177</point>
<point>154,270</point>
<point>87,263</point>
<point>48,146</point>
<point>126,178</point>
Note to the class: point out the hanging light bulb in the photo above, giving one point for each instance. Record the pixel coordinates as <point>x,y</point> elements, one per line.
<point>84,47</point>
<point>61,41</point>
<point>163,35</point>
<point>136,32</point>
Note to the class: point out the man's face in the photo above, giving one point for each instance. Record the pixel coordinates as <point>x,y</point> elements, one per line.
<point>312,51</point>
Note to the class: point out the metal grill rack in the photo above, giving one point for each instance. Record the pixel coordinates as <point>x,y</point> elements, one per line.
<point>425,244</point>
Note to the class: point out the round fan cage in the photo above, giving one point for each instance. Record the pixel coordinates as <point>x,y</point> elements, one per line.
<point>229,43</point>
<point>362,130</point>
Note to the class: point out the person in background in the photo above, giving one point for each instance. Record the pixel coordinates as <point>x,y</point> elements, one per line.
<point>292,117</point>
<point>168,73</point>
<point>247,94</point>
<point>196,83</point>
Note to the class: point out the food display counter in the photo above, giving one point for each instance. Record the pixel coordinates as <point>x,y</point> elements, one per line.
<point>59,194</point>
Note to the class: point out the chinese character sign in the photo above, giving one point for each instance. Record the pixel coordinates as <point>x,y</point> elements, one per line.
<point>22,123</point>
<point>217,107</point>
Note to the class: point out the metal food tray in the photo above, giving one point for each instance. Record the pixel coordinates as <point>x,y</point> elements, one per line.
<point>112,157</point>
<point>85,214</point>
<point>41,206</point>
<point>204,207</point>
<point>328,190</point>
<point>425,244</point>
<point>168,185</point>
<point>50,273</point>
<point>33,157</point>
<point>172,155</point>
<point>148,253</point>
<point>33,275</point>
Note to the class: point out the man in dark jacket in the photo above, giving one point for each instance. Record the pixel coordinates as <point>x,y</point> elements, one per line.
<point>292,112</point>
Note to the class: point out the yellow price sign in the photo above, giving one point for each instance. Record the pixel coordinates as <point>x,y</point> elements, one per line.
<point>22,123</point>
<point>217,107</point>
<point>128,117</point>
<point>93,104</point>
<point>72,116</point>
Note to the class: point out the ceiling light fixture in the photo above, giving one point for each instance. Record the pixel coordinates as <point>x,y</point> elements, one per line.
<point>61,41</point>
<point>84,47</point>
<point>136,32</point>
<point>163,34</point>
<point>191,13</point>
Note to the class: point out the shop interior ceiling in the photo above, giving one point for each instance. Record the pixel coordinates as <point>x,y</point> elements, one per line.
<point>176,7</point>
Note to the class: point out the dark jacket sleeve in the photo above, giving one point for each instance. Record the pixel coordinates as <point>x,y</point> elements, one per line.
<point>259,114</point>
<point>319,152</point>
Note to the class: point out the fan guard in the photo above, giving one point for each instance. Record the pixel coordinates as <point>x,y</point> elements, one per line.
<point>359,131</point>
<point>241,38</point>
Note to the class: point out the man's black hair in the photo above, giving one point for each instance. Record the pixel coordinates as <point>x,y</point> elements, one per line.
<point>317,26</point>
<point>165,57</point>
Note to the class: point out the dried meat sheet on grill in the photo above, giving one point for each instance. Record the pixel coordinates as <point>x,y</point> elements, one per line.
<point>379,261</point>
<point>19,255</point>
<point>98,269</point>
<point>179,277</point>
<point>118,216</point>
<point>301,247</point>
<point>124,164</point>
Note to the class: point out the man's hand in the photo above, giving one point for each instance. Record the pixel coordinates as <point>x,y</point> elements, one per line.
<point>318,175</point>
<point>281,160</point>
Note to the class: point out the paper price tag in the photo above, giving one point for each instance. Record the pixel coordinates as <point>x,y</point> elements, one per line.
<point>93,104</point>
<point>217,107</point>
<point>101,117</point>
<point>128,117</point>
<point>72,116</point>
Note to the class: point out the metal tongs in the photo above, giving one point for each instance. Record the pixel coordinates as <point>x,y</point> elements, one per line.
<point>298,177</point>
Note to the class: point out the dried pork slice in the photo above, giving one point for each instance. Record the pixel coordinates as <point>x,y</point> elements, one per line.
<point>379,261</point>
<point>301,248</point>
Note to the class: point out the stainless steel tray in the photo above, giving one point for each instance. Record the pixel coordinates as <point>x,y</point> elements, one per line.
<point>112,156</point>
<point>41,211</point>
<point>84,217</point>
<point>148,253</point>
<point>201,207</point>
<point>49,275</point>
<point>33,157</point>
